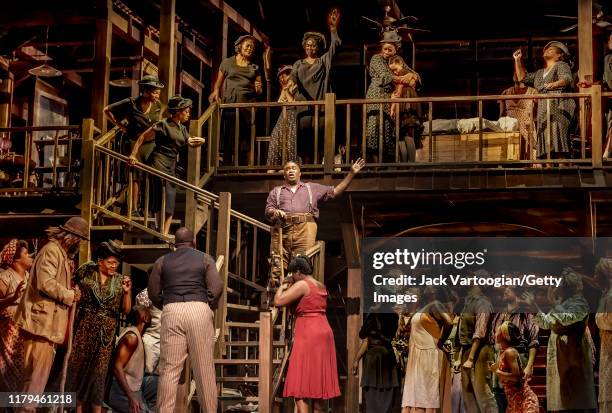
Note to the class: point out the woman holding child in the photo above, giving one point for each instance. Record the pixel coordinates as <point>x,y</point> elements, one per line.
<point>382,86</point>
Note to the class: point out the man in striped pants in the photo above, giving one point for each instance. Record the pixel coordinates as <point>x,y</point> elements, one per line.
<point>186,285</point>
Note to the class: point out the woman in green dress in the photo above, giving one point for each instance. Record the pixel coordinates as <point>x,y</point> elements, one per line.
<point>105,295</point>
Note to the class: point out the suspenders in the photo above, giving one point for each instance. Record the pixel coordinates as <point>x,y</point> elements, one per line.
<point>278,190</point>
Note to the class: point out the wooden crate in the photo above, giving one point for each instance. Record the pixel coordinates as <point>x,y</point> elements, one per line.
<point>497,146</point>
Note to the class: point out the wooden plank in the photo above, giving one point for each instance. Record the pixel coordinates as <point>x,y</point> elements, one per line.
<point>101,64</point>
<point>224,36</point>
<point>6,98</point>
<point>194,156</point>
<point>266,368</point>
<point>87,154</point>
<point>353,318</point>
<point>330,132</point>
<point>167,48</point>
<point>223,239</point>
<point>596,126</point>
<point>585,41</point>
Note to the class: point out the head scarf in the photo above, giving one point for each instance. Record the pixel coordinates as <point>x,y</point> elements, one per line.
<point>8,253</point>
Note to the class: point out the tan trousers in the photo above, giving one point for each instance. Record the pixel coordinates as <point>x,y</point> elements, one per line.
<point>38,360</point>
<point>187,328</point>
<point>297,238</point>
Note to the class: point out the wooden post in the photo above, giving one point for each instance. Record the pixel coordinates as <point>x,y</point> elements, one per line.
<point>87,181</point>
<point>6,99</point>
<point>214,126</point>
<point>193,177</point>
<point>223,238</point>
<point>321,262</point>
<point>353,318</point>
<point>101,64</point>
<point>167,48</point>
<point>585,41</point>
<point>330,132</point>
<point>266,368</point>
<point>224,37</point>
<point>596,126</point>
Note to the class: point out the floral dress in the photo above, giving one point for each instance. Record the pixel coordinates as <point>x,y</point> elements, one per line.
<point>521,399</point>
<point>94,333</point>
<point>381,87</point>
<point>284,134</point>
<point>11,356</point>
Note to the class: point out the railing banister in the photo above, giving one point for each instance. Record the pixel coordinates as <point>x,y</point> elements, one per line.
<point>194,155</point>
<point>330,132</point>
<point>266,367</point>
<point>596,126</point>
<point>87,176</point>
<point>223,239</point>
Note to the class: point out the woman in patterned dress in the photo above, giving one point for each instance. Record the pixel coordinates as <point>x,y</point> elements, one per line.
<point>286,125</point>
<point>105,294</point>
<point>554,115</point>
<point>15,262</point>
<point>382,85</point>
<point>520,397</point>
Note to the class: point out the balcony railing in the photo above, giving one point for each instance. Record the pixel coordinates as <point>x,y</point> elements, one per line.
<point>39,159</point>
<point>339,134</point>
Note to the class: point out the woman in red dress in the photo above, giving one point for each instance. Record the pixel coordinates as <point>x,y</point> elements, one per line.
<point>521,399</point>
<point>312,372</point>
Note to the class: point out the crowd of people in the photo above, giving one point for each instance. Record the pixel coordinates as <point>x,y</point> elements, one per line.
<point>47,305</point>
<point>462,356</point>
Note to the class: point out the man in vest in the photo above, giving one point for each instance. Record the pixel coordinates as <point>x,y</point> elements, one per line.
<point>185,284</point>
<point>129,390</point>
<point>293,208</point>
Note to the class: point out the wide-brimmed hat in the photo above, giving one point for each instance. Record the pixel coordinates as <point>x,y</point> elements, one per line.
<point>76,226</point>
<point>317,35</point>
<point>558,44</point>
<point>283,69</point>
<point>151,81</point>
<point>178,103</point>
<point>243,38</point>
<point>391,36</point>
<point>108,248</point>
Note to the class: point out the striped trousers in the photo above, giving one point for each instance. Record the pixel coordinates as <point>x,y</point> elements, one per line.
<point>187,328</point>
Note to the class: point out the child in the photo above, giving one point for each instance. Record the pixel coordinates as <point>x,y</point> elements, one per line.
<point>521,399</point>
<point>409,113</point>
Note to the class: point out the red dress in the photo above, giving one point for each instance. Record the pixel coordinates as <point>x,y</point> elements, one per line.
<point>312,371</point>
<point>521,399</point>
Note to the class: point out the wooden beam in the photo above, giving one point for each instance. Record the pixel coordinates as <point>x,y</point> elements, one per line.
<point>6,99</point>
<point>224,37</point>
<point>239,20</point>
<point>102,58</point>
<point>585,41</point>
<point>167,48</point>
<point>330,132</point>
<point>223,238</point>
<point>353,318</point>
<point>193,177</point>
<point>266,368</point>
<point>597,130</point>
<point>87,177</point>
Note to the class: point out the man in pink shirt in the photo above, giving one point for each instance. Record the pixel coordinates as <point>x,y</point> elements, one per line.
<point>293,208</point>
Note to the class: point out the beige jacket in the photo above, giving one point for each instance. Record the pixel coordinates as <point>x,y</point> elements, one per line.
<point>43,310</point>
